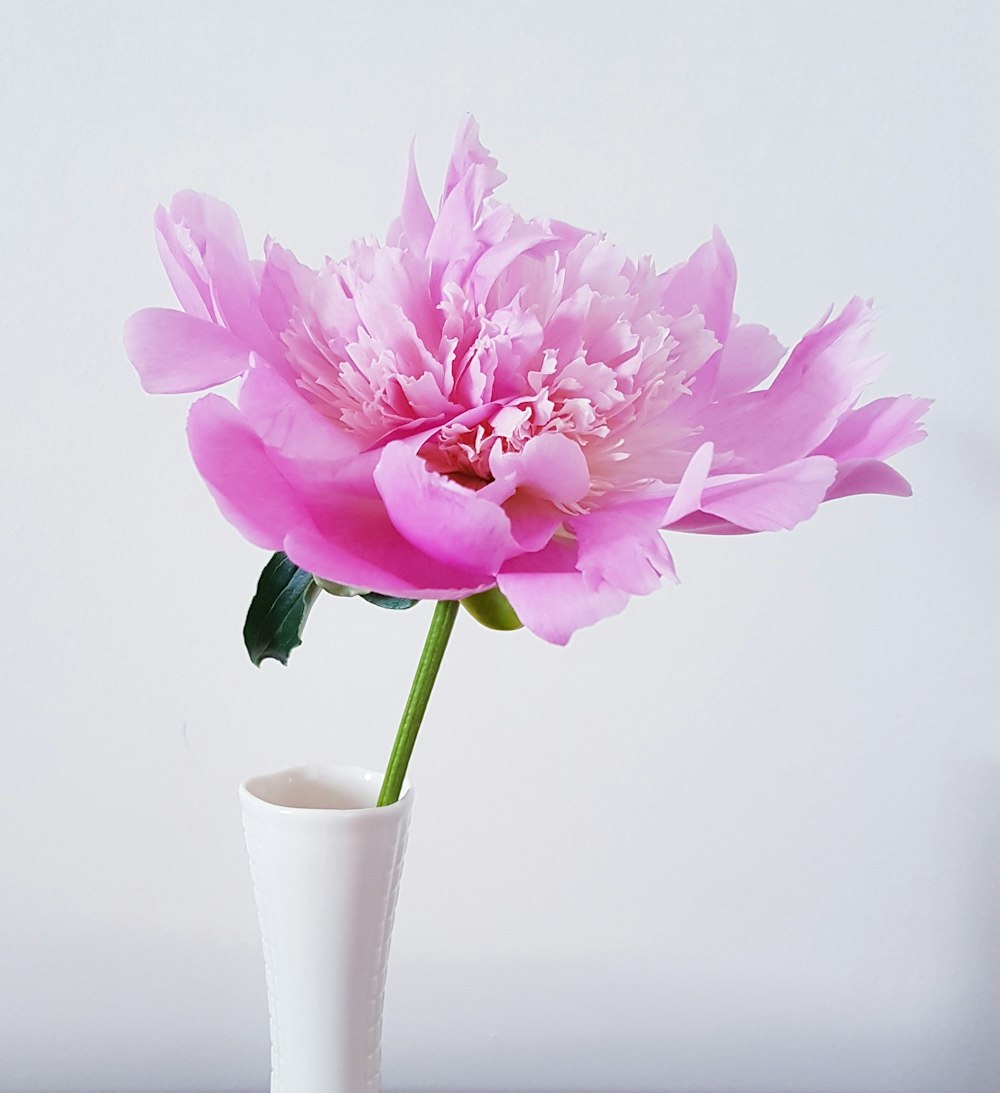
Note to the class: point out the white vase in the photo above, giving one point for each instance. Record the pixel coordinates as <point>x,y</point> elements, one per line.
<point>325,864</point>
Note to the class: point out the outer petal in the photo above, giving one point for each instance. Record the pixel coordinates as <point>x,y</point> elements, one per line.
<point>622,547</point>
<point>313,453</point>
<point>469,155</point>
<point>416,222</point>
<point>779,499</point>
<point>251,493</point>
<point>877,430</point>
<point>205,255</point>
<point>868,476</point>
<point>551,597</point>
<point>350,541</point>
<point>446,521</point>
<point>750,355</point>
<point>354,543</point>
<point>687,497</point>
<point>824,376</point>
<point>706,281</point>
<point>175,353</point>
<point>285,286</point>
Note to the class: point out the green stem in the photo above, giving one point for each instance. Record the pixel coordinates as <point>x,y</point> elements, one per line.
<point>427,670</point>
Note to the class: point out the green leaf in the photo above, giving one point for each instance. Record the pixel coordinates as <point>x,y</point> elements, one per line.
<point>390,603</point>
<point>278,610</point>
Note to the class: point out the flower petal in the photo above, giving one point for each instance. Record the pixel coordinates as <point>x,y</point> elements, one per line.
<point>868,476</point>
<point>412,230</point>
<point>552,597</point>
<point>176,354</point>
<point>707,282</point>
<point>822,379</point>
<point>622,547</point>
<point>550,466</point>
<point>205,255</point>
<point>311,451</point>
<point>445,520</point>
<point>750,355</point>
<point>251,493</point>
<point>878,430</point>
<point>352,542</point>
<point>778,499</point>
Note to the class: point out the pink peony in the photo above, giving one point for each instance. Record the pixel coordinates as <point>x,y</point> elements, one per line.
<point>487,400</point>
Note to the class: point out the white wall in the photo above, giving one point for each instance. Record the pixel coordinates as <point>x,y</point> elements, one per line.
<point>744,837</point>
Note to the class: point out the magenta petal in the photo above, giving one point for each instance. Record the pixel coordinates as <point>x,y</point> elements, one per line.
<point>176,354</point>
<point>446,521</point>
<point>623,547</point>
<point>231,458</point>
<point>353,543</point>
<point>533,521</point>
<point>551,597</point>
<point>550,466</point>
<point>778,499</point>
<point>868,476</point>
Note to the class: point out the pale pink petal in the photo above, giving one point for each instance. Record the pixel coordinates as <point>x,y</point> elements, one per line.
<point>209,234</point>
<point>552,597</point>
<point>285,285</point>
<point>443,519</point>
<point>822,379</point>
<point>878,430</point>
<point>469,155</point>
<point>777,499</point>
<point>706,281</point>
<point>416,221</point>
<point>176,354</point>
<point>750,355</point>
<point>687,497</point>
<point>868,476</point>
<point>703,523</point>
<point>184,266</point>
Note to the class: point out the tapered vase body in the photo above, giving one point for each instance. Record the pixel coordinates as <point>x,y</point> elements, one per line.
<point>326,865</point>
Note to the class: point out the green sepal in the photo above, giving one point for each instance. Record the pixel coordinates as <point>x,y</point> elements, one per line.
<point>279,610</point>
<point>493,610</point>
<point>390,603</point>
<point>344,591</point>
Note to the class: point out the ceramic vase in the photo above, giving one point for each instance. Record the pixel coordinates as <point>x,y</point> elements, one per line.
<point>325,864</point>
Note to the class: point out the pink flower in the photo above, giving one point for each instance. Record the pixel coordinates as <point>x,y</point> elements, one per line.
<point>487,400</point>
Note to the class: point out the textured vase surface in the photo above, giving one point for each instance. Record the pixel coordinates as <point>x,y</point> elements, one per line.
<point>325,864</point>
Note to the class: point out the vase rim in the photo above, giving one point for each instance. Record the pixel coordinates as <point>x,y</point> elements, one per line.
<point>321,790</point>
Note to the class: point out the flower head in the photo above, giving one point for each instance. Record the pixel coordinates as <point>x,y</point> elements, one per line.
<point>488,401</point>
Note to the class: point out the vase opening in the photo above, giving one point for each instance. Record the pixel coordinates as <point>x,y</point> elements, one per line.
<point>318,787</point>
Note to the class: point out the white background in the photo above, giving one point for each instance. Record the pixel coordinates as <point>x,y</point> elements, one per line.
<point>744,837</point>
